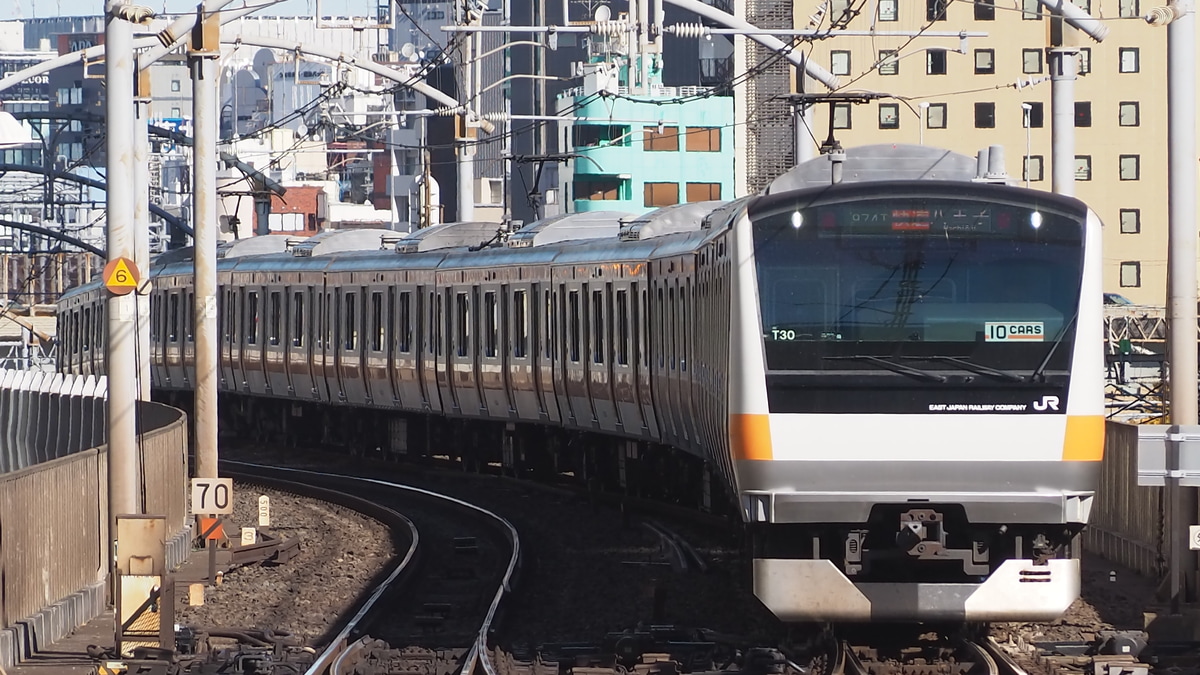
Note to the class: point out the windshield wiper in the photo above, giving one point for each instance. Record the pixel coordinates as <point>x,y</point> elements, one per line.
<point>968,366</point>
<point>894,367</point>
<point>1038,373</point>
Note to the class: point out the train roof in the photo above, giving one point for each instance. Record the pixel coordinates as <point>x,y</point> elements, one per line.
<point>271,243</point>
<point>587,225</point>
<point>448,235</point>
<point>667,220</point>
<point>337,241</point>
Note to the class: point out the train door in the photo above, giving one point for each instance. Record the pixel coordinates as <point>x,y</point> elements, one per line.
<point>377,319</point>
<point>174,344</point>
<point>599,355</point>
<point>491,371</point>
<point>624,362</point>
<point>188,343</point>
<point>643,364</point>
<point>428,357</point>
<point>443,329</point>
<point>299,361</point>
<point>562,354</point>
<point>253,351</point>
<point>400,344</point>
<point>542,312</point>
<point>688,403</point>
<point>522,354</point>
<point>326,372</point>
<point>274,351</point>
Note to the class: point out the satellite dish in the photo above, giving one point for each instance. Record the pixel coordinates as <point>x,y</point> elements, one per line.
<point>408,51</point>
<point>602,14</point>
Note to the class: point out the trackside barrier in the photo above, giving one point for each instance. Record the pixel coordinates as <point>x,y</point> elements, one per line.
<point>54,502</point>
<point>1128,524</point>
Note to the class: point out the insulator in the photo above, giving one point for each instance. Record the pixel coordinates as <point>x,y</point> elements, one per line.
<point>1161,16</point>
<point>688,30</point>
<point>495,116</point>
<point>446,111</point>
<point>610,27</point>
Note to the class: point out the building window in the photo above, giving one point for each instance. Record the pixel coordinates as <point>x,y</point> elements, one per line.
<point>1083,167</point>
<point>985,115</point>
<point>175,112</point>
<point>1131,221</point>
<point>935,62</point>
<point>1131,274</point>
<point>1085,5</point>
<point>1033,168</point>
<point>1083,113</point>
<point>889,115</point>
<point>598,188</point>
<point>1129,114</point>
<point>176,85</point>
<point>1036,115</point>
<point>703,139</point>
<point>661,194</point>
<point>985,61</point>
<point>985,10</point>
<point>1130,167</point>
<point>887,10</point>
<point>1031,10</point>
<point>1031,61</point>
<point>841,115</point>
<point>1129,59</point>
<point>935,10</point>
<point>660,139</point>
<point>702,192</point>
<point>1129,9</point>
<point>1085,60</point>
<point>839,62</point>
<point>935,116</point>
<point>888,63</point>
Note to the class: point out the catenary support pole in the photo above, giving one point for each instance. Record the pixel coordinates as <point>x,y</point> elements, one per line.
<point>123,486</point>
<point>205,49</point>
<point>141,225</point>
<point>1063,72</point>
<point>1181,269</point>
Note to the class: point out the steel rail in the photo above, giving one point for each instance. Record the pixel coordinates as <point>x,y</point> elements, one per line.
<point>478,652</point>
<point>1006,664</point>
<point>339,644</point>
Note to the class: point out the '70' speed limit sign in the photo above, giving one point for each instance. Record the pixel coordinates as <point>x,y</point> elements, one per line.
<point>212,496</point>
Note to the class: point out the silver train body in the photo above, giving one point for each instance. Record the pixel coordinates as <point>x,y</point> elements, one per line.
<point>899,383</point>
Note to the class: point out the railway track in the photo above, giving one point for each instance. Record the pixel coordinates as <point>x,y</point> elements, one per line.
<point>929,654</point>
<point>443,593</point>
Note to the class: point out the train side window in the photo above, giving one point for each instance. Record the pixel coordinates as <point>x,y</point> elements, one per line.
<point>644,333</point>
<point>520,325</point>
<point>672,317</point>
<point>155,317</point>
<point>377,322</point>
<point>252,318</point>
<point>276,318</point>
<point>574,325</point>
<point>623,327</point>
<point>317,327</point>
<point>684,335</point>
<point>87,329</point>
<point>662,328</point>
<point>233,316</point>
<point>189,318</point>
<point>462,314</point>
<point>173,318</point>
<point>101,326</point>
<point>74,332</point>
<point>350,339</point>
<point>491,323</point>
<point>436,327</point>
<point>549,325</point>
<point>298,319</point>
<point>406,323</point>
<point>597,326</point>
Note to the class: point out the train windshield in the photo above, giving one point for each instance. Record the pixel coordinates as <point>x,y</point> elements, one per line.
<point>872,283</point>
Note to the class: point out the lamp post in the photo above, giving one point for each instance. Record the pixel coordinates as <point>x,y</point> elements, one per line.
<point>1027,110</point>
<point>924,118</point>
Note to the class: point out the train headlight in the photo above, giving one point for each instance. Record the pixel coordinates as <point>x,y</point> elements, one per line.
<point>1035,219</point>
<point>797,219</point>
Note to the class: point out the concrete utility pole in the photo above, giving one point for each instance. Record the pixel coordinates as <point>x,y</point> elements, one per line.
<point>465,144</point>
<point>1064,70</point>
<point>1181,198</point>
<point>121,315</point>
<point>202,58</point>
<point>141,225</point>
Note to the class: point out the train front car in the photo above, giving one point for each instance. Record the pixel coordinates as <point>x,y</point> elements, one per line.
<point>916,401</point>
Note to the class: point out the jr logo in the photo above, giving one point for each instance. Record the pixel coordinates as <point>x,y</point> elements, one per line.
<point>1047,403</point>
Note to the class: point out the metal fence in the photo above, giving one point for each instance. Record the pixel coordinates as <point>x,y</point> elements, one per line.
<point>1127,524</point>
<point>54,502</point>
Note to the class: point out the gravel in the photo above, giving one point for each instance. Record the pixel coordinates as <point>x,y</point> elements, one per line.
<point>340,552</point>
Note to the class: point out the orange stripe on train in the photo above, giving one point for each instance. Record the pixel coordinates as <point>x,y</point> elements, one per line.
<point>1084,440</point>
<point>750,436</point>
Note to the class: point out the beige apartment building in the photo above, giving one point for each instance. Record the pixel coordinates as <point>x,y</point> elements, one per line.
<point>960,101</point>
